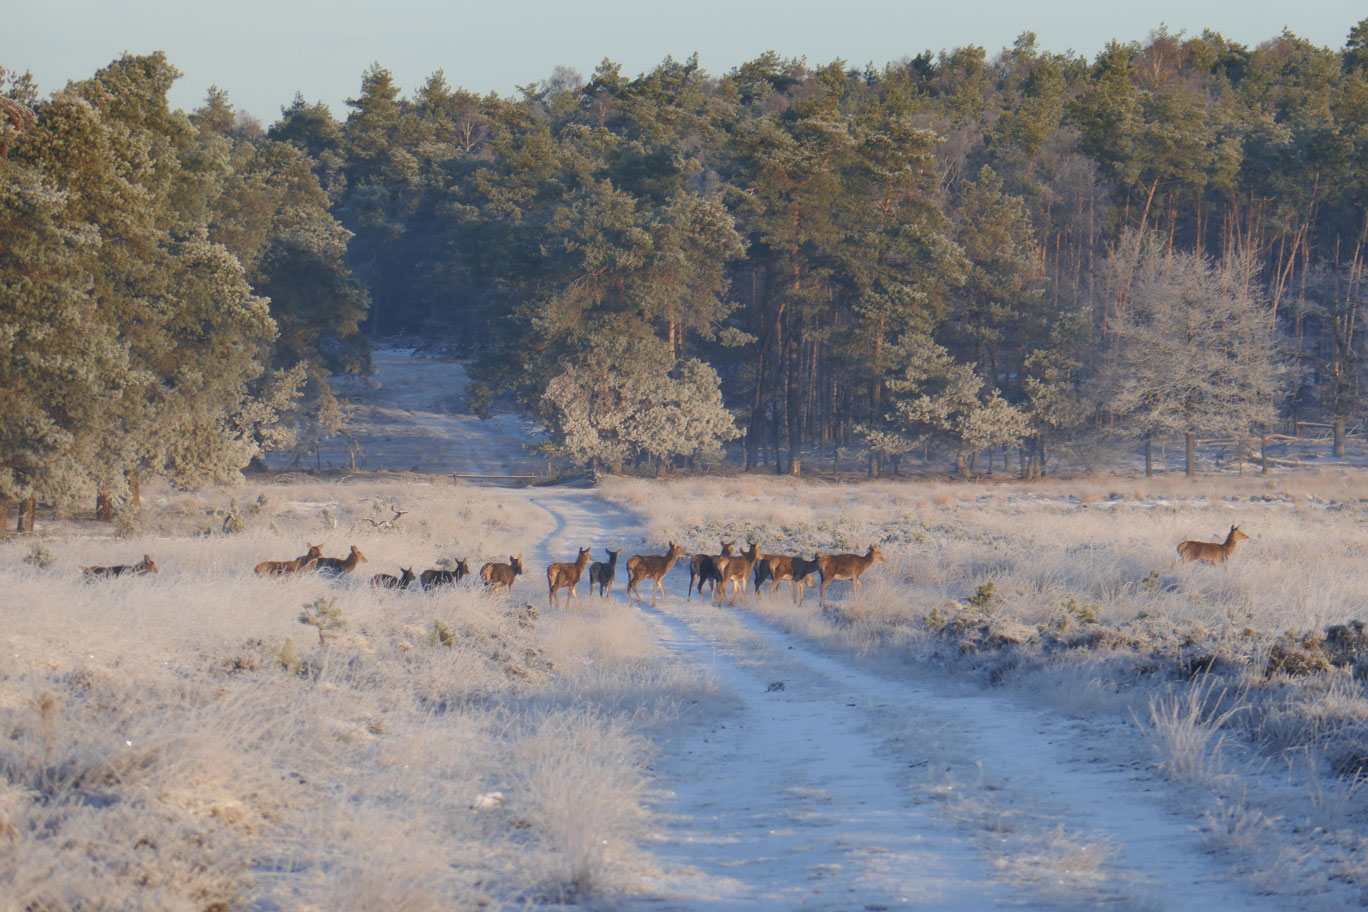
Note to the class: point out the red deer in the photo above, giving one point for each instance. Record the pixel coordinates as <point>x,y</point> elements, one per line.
<point>602,574</point>
<point>301,564</point>
<point>1211,552</point>
<point>566,576</point>
<point>501,576</point>
<point>386,581</point>
<point>430,579</point>
<point>779,567</point>
<point>735,570</point>
<point>145,566</point>
<point>340,565</point>
<point>851,567</point>
<point>703,568</point>
<point>651,567</point>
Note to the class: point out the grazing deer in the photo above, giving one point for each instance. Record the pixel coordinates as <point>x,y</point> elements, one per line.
<point>703,568</point>
<point>602,574</point>
<point>430,579</point>
<point>651,567</point>
<point>385,581</point>
<point>735,570</point>
<point>779,567</point>
<point>566,576</point>
<point>833,567</point>
<point>501,576</point>
<point>1211,552</point>
<point>145,566</point>
<point>340,565</point>
<point>302,564</point>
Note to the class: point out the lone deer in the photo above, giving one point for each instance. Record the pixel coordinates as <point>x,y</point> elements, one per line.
<point>501,576</point>
<point>1211,552</point>
<point>833,567</point>
<point>340,565</point>
<point>145,566</point>
<point>566,576</point>
<point>651,567</point>
<point>779,567</point>
<point>602,574</point>
<point>302,564</point>
<point>430,579</point>
<point>735,570</point>
<point>386,581</point>
<point>703,568</point>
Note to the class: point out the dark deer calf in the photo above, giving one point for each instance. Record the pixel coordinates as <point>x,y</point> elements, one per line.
<point>779,567</point>
<point>145,566</point>
<point>385,581</point>
<point>703,569</point>
<point>501,576</point>
<point>602,574</point>
<point>434,577</point>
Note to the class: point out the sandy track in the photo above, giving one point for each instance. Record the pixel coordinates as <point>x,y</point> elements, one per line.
<point>832,788</point>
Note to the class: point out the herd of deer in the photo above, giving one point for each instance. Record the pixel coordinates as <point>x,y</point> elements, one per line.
<point>717,570</point>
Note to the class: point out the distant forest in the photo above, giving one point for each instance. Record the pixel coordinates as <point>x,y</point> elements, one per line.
<point>985,257</point>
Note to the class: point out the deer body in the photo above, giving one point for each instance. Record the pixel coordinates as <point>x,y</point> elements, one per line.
<point>340,565</point>
<point>779,567</point>
<point>833,567</point>
<point>651,567</point>
<point>303,563</point>
<point>430,579</point>
<point>703,568</point>
<point>386,581</point>
<point>566,576</point>
<point>736,570</point>
<point>147,565</point>
<point>1211,552</point>
<point>501,576</point>
<point>602,574</point>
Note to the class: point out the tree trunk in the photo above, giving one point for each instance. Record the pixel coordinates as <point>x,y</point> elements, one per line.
<point>134,492</point>
<point>4,514</point>
<point>1149,457</point>
<point>104,507</point>
<point>1263,451</point>
<point>1339,435</point>
<point>27,510</point>
<point>1190,454</point>
<point>794,409</point>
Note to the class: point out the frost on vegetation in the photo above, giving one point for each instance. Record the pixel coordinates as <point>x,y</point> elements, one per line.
<point>1187,730</point>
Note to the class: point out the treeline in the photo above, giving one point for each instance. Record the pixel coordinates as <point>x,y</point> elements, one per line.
<point>957,253</point>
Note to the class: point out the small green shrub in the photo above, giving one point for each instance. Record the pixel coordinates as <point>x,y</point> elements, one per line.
<point>441,635</point>
<point>324,614</point>
<point>284,654</point>
<point>262,502</point>
<point>40,556</point>
<point>983,596</point>
<point>233,522</point>
<point>1151,583</point>
<point>935,622</point>
<point>1086,613</point>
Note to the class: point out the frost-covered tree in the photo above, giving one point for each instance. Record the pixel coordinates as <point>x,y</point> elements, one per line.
<point>632,401</point>
<point>1195,351</point>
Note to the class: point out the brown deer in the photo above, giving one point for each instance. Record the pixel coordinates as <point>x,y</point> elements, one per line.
<point>340,565</point>
<point>703,568</point>
<point>779,567</point>
<point>736,570</point>
<point>651,567</point>
<point>386,581</point>
<point>145,566</point>
<point>566,576</point>
<point>602,574</point>
<point>1211,552</point>
<point>302,564</point>
<point>501,576</point>
<point>833,567</point>
<point>430,579</point>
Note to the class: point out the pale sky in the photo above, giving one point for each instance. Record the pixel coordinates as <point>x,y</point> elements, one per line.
<point>263,51</point>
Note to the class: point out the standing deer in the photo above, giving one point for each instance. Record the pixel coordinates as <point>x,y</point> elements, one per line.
<point>602,574</point>
<point>703,568</point>
<point>386,581</point>
<point>566,576</point>
<point>302,564</point>
<point>501,576</point>
<point>1211,552</point>
<point>146,565</point>
<point>779,567</point>
<point>735,570</point>
<point>652,567</point>
<point>430,579</point>
<point>340,565</point>
<point>833,567</point>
